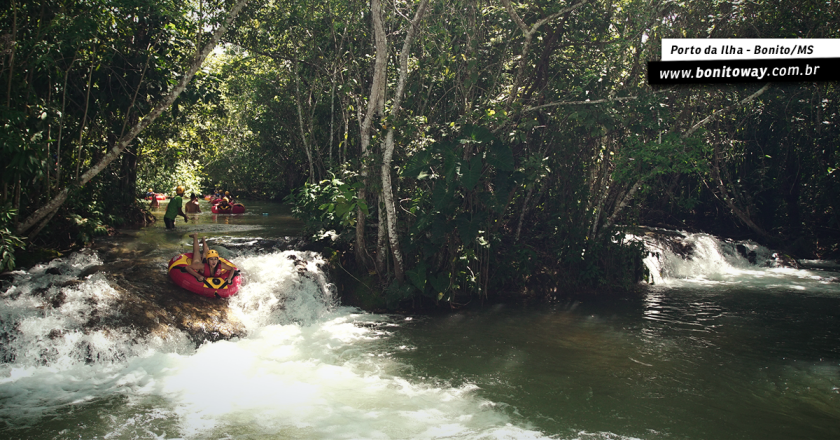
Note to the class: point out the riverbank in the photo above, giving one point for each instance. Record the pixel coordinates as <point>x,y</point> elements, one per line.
<point>69,232</point>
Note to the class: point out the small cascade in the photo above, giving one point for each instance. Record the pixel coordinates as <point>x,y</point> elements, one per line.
<point>283,288</point>
<point>79,310</point>
<point>50,317</point>
<point>697,258</point>
<point>305,367</point>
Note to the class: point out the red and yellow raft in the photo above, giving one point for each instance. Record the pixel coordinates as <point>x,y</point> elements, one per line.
<point>211,287</point>
<point>232,209</point>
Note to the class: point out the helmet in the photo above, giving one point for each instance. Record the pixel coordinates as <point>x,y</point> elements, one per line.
<point>212,253</point>
<point>227,193</point>
<point>179,190</point>
<point>225,199</point>
<point>151,190</point>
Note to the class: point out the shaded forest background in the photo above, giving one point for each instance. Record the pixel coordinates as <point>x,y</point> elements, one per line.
<point>454,148</point>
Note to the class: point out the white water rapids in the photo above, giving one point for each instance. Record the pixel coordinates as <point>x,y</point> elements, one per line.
<point>307,369</point>
<point>709,261</point>
<point>706,342</point>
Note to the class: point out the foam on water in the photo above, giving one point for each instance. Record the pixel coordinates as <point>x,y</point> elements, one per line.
<point>308,368</point>
<point>718,263</point>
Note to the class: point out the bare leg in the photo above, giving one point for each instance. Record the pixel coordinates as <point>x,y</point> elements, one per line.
<point>196,255</point>
<point>197,263</point>
<point>206,249</point>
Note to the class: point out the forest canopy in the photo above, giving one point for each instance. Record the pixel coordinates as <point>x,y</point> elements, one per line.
<point>454,147</point>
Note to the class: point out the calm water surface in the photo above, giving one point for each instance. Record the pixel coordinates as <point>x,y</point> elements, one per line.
<point>717,349</point>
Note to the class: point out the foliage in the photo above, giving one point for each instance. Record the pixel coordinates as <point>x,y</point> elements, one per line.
<point>78,77</point>
<point>463,188</point>
<point>329,205</point>
<point>520,150</point>
<point>164,178</point>
<point>8,240</point>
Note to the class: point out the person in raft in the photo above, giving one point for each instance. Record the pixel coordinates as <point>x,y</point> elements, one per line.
<point>174,209</point>
<point>209,265</point>
<point>224,206</point>
<point>229,197</point>
<point>192,206</point>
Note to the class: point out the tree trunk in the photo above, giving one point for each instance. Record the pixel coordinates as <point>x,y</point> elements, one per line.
<point>375,106</point>
<point>12,55</point>
<point>61,123</point>
<point>522,214</point>
<point>303,133</point>
<point>84,118</point>
<point>388,148</point>
<point>50,207</point>
<point>721,186</point>
<point>381,238</point>
<point>529,35</point>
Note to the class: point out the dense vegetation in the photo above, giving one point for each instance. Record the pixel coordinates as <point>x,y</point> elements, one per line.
<point>456,148</point>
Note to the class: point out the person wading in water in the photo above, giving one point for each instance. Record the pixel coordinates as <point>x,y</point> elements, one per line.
<point>192,206</point>
<point>174,209</point>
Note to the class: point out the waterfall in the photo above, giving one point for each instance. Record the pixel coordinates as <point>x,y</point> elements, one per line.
<point>306,367</point>
<point>681,258</point>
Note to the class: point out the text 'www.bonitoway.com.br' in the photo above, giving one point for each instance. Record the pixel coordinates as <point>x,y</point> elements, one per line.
<point>725,71</point>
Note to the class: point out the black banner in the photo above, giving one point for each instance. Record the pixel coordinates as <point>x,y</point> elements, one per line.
<point>743,71</point>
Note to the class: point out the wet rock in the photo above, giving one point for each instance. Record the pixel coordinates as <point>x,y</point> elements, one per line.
<point>783,260</point>
<point>118,266</point>
<point>742,250</point>
<point>58,299</point>
<point>153,305</point>
<point>91,270</point>
<point>69,283</point>
<point>672,240</point>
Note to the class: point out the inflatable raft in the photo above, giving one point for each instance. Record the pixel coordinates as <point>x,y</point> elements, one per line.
<point>158,196</point>
<point>211,287</point>
<point>234,209</point>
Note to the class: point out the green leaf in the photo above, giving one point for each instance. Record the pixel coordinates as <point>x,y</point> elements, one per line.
<point>440,283</point>
<point>467,229</point>
<point>363,206</point>
<point>417,276</point>
<point>419,163</point>
<point>471,175</point>
<point>501,156</point>
<point>478,133</point>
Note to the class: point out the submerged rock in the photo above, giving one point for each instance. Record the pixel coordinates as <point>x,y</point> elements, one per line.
<point>749,255</point>
<point>783,260</point>
<point>122,297</point>
<point>152,304</point>
<point>674,241</point>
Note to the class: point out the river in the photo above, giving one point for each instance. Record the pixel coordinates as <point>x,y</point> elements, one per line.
<point>716,349</point>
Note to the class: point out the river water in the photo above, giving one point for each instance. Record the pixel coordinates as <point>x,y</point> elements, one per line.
<point>716,349</point>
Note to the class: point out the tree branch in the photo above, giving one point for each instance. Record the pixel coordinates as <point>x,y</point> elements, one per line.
<point>597,101</point>
<point>727,108</point>
<point>123,142</point>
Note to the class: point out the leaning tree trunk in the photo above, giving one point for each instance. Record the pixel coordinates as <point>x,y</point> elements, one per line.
<point>56,202</point>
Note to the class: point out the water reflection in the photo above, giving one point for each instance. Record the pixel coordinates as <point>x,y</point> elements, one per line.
<point>689,359</point>
<point>679,363</point>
